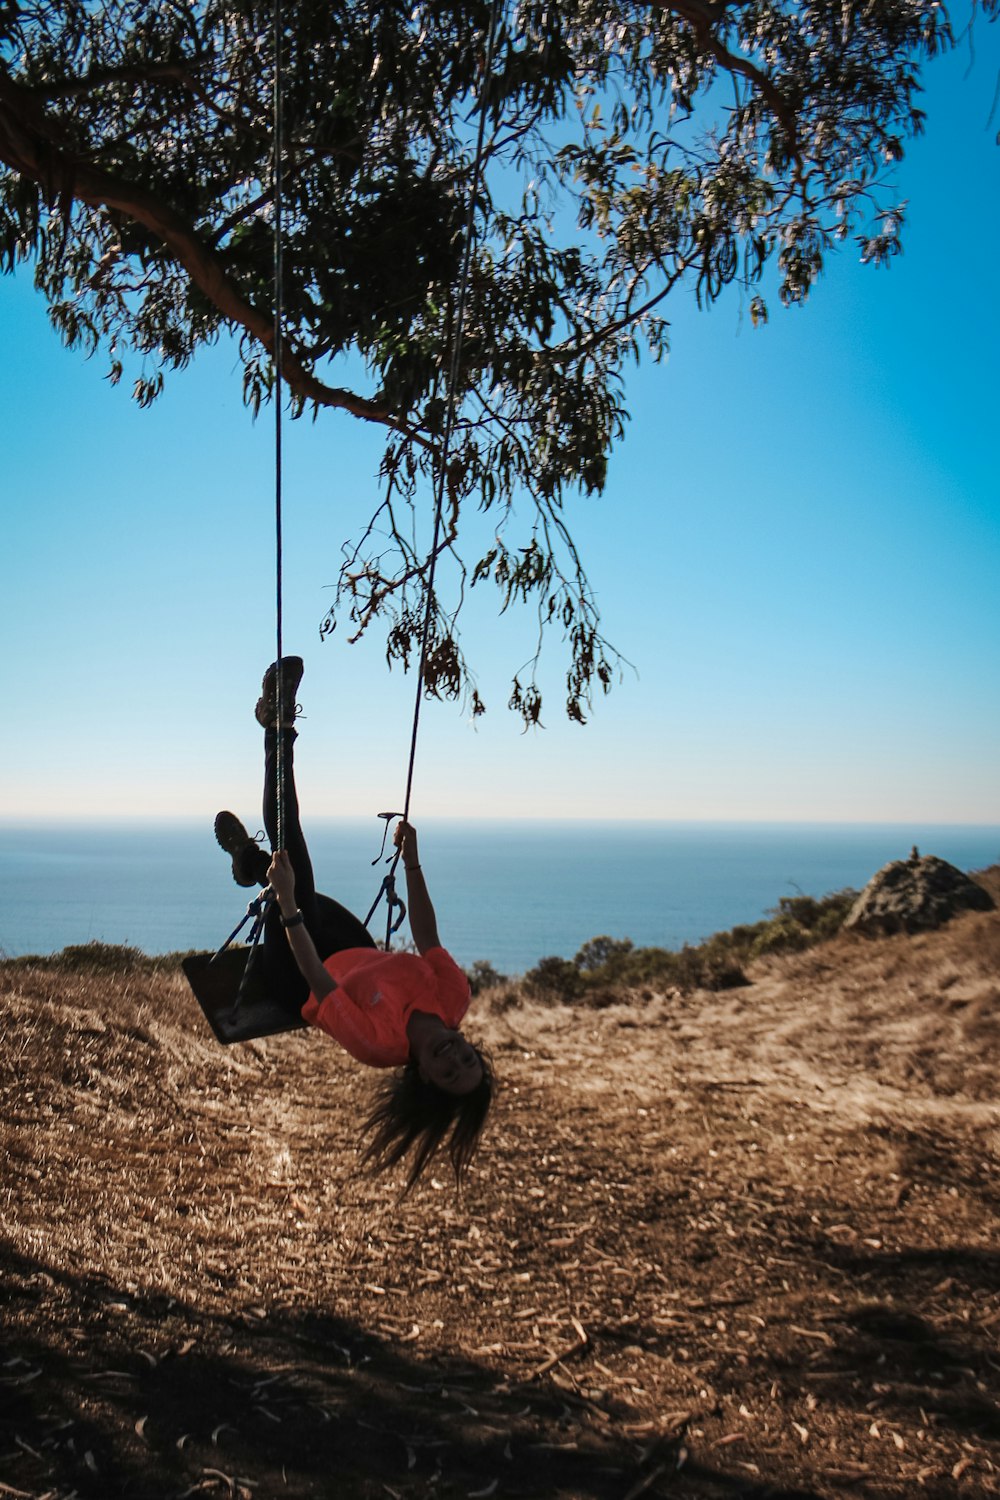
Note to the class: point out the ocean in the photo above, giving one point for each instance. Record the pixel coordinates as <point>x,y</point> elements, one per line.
<point>507,893</point>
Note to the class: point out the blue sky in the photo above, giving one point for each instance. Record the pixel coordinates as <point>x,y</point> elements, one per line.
<point>798,548</point>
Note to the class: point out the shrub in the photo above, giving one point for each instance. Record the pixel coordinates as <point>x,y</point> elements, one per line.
<point>799,922</point>
<point>483,976</point>
<point>780,936</point>
<point>92,958</point>
<point>723,974</point>
<point>651,966</point>
<point>555,978</point>
<point>100,958</point>
<point>603,953</point>
<point>605,964</point>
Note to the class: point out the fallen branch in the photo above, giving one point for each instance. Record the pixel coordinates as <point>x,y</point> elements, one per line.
<point>581,1342</point>
<point>641,1485</point>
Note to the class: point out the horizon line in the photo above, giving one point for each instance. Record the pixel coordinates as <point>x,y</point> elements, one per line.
<point>147,818</point>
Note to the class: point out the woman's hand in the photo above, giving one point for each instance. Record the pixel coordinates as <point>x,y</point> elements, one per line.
<point>423,923</point>
<point>405,839</point>
<point>282,879</point>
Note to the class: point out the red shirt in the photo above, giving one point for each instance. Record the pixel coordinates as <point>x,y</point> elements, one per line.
<point>378,992</point>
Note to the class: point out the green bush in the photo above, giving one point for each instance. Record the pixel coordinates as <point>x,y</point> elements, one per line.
<point>99,958</point>
<point>799,922</point>
<point>652,966</point>
<point>483,976</point>
<point>555,979</point>
<point>607,965</point>
<point>603,953</point>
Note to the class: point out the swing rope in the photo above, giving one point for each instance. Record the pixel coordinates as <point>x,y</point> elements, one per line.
<point>278,187</point>
<point>388,887</point>
<point>453,373</point>
<point>388,884</point>
<point>258,909</point>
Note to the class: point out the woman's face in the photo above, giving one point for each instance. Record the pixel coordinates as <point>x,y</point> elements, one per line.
<point>451,1063</point>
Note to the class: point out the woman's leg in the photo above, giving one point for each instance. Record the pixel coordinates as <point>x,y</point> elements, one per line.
<point>286,983</point>
<point>339,928</point>
<point>294,839</point>
<point>331,926</point>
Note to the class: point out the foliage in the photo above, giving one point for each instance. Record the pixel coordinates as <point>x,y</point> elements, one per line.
<point>555,979</point>
<point>630,150</point>
<point>98,958</point>
<point>603,953</point>
<point>483,976</point>
<point>796,923</point>
<point>799,922</point>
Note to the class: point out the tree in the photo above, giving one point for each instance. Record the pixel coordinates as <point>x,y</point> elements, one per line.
<point>599,952</point>
<point>629,149</point>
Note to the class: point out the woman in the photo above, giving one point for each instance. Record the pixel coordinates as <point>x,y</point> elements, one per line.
<point>388,1010</point>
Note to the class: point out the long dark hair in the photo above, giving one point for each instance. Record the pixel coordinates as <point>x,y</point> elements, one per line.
<point>410,1114</point>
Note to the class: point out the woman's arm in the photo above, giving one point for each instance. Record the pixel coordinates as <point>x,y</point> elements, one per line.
<point>423,922</point>
<point>282,878</point>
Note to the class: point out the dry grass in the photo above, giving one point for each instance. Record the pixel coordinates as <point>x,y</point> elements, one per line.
<point>734,1244</point>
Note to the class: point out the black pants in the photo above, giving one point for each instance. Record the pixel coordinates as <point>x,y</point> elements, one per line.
<point>330,925</point>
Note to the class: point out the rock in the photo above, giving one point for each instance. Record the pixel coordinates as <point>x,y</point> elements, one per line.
<point>914,895</point>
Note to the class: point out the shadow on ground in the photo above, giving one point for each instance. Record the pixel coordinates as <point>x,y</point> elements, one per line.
<point>159,1400</point>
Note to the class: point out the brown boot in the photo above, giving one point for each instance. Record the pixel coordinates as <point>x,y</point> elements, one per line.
<point>250,861</point>
<point>292,668</point>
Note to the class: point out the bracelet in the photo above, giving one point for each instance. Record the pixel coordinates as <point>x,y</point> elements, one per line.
<point>295,920</point>
<point>410,868</point>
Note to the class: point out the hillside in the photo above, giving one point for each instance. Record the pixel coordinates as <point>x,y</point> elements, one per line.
<point>741,1244</point>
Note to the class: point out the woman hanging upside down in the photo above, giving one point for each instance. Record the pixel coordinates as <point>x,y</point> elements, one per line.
<point>388,1010</point>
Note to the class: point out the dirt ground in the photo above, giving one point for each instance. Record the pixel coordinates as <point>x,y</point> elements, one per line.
<point>722,1245</point>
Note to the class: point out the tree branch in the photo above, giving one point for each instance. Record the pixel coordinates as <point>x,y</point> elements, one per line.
<point>30,144</point>
<point>73,88</point>
<point>177,72</point>
<point>702,16</point>
<point>246,211</point>
<point>566,352</point>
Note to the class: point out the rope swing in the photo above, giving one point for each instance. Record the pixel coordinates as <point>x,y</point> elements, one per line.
<point>277,167</point>
<point>453,372</point>
<point>396,909</point>
<point>388,887</point>
<point>235,1003</point>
